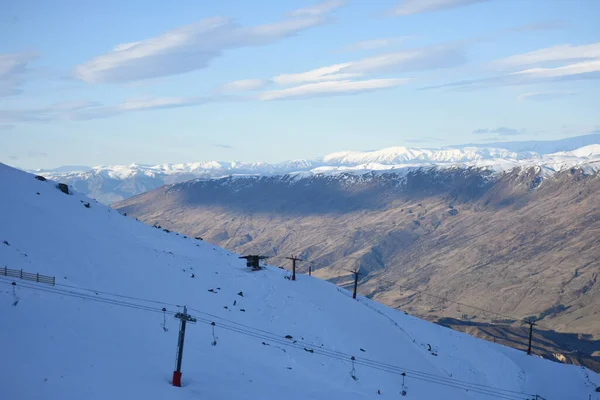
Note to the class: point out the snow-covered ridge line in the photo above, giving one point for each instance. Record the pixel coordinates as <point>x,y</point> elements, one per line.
<point>113,183</point>
<point>587,158</point>
<point>389,158</point>
<point>401,155</point>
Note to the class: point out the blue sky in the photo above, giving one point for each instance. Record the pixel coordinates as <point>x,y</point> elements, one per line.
<point>116,82</point>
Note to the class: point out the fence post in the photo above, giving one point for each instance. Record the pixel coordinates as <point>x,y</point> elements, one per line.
<point>38,277</point>
<point>21,277</point>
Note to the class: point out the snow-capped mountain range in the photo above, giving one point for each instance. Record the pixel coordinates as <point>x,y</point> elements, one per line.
<point>113,183</point>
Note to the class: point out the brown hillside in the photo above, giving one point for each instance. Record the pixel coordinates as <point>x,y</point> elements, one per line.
<point>516,244</point>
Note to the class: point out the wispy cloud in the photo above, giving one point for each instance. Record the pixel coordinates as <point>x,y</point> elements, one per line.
<point>56,111</point>
<point>192,47</point>
<point>355,76</point>
<point>351,75</point>
<point>223,146</point>
<point>75,105</point>
<point>87,110</point>
<point>540,26</point>
<point>424,58</point>
<point>338,79</point>
<point>330,88</point>
<point>244,85</point>
<point>133,105</point>
<point>566,52</point>
<point>29,154</point>
<point>393,62</point>
<point>527,77</point>
<point>6,127</point>
<point>374,44</point>
<point>408,7</point>
<point>501,131</point>
<point>543,96</point>
<point>319,8</point>
<point>330,73</point>
<point>13,68</point>
<point>579,63</point>
<point>581,68</point>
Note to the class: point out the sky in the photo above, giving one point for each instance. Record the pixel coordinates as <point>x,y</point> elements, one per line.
<point>144,81</point>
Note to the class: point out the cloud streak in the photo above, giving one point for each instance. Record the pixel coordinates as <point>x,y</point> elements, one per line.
<point>409,7</point>
<point>13,68</point>
<point>355,76</point>
<point>565,52</point>
<point>393,62</point>
<point>29,154</point>
<point>374,44</point>
<point>544,96</point>
<point>581,69</point>
<point>193,46</point>
<point>135,105</point>
<point>330,73</point>
<point>244,85</point>
<point>330,88</point>
<point>501,131</point>
<point>318,9</point>
<point>88,110</point>
<point>540,26</point>
<point>425,58</point>
<point>579,63</point>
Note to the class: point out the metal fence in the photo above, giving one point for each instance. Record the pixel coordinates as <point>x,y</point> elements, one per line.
<point>28,276</point>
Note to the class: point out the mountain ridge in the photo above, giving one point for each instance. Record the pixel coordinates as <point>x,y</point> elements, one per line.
<point>113,183</point>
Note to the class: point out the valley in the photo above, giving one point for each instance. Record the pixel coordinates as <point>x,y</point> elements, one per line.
<point>521,243</point>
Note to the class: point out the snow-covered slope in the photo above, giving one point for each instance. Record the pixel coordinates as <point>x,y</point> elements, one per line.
<point>402,155</point>
<point>98,333</point>
<point>545,146</point>
<point>496,160</point>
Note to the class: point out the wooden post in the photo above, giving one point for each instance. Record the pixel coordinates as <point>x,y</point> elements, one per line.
<point>294,259</point>
<point>530,335</point>
<point>356,272</point>
<point>531,323</point>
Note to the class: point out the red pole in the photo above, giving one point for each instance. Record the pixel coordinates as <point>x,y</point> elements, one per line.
<point>177,378</point>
